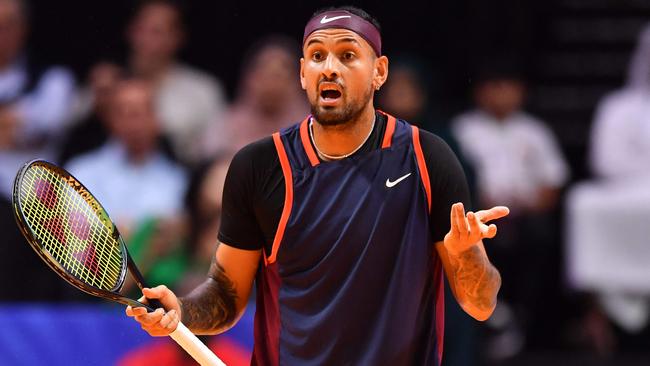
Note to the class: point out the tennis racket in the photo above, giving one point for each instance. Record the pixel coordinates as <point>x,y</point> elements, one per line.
<point>70,230</point>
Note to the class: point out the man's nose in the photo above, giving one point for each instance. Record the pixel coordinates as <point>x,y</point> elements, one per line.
<point>331,67</point>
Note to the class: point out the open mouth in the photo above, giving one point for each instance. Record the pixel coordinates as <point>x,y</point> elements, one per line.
<point>330,94</point>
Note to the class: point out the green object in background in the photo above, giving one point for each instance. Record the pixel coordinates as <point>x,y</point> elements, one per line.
<point>167,269</point>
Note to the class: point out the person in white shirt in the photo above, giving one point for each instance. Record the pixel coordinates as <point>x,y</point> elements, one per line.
<point>129,175</point>
<point>613,208</point>
<point>35,100</point>
<point>620,143</point>
<point>187,100</point>
<point>518,162</point>
<point>516,156</point>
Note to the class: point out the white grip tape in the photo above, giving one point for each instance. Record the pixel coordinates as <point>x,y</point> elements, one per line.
<point>199,351</point>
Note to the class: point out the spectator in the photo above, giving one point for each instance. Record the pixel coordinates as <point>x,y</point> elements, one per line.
<point>614,208</point>
<point>187,100</point>
<point>34,104</point>
<point>519,164</point>
<point>621,132</point>
<point>140,188</point>
<point>88,130</point>
<point>268,98</point>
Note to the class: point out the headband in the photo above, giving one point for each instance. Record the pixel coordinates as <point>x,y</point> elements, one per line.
<point>346,20</point>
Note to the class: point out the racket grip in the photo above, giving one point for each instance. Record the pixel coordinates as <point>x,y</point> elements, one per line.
<point>192,345</point>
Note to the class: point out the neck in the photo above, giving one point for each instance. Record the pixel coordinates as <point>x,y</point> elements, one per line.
<point>345,138</point>
<point>150,69</point>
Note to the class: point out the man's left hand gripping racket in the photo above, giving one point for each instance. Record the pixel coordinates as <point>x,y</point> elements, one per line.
<point>70,230</point>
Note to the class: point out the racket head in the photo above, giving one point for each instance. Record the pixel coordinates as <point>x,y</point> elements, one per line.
<point>70,230</point>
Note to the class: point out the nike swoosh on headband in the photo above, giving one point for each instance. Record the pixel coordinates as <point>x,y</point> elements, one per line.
<point>326,20</point>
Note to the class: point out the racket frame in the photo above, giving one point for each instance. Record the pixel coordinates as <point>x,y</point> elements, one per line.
<point>128,265</point>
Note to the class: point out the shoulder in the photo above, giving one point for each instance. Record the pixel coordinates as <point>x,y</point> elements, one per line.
<point>89,159</point>
<point>623,100</point>
<point>55,76</point>
<point>529,124</point>
<point>171,169</point>
<point>433,146</point>
<point>190,76</point>
<point>468,118</point>
<point>256,151</point>
<point>254,160</point>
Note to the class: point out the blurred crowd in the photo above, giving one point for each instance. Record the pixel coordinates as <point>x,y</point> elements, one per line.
<point>152,138</point>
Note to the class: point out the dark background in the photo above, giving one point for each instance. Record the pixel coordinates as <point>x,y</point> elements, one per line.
<point>572,51</point>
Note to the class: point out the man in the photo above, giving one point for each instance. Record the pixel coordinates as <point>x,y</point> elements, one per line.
<point>122,171</point>
<point>519,163</point>
<point>268,97</point>
<point>187,100</point>
<point>342,217</point>
<point>35,100</point>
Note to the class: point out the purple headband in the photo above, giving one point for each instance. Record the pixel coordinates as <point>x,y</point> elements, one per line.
<point>346,20</point>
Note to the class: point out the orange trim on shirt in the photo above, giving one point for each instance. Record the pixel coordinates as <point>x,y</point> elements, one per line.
<point>390,129</point>
<point>306,143</point>
<point>422,166</point>
<point>288,198</point>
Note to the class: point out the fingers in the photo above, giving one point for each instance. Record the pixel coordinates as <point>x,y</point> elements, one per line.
<point>458,219</point>
<point>494,213</point>
<point>150,319</point>
<point>491,232</point>
<point>156,323</point>
<point>132,312</point>
<point>474,224</point>
<point>169,322</point>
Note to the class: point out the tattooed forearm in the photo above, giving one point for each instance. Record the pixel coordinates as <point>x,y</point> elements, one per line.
<point>211,306</point>
<point>476,278</point>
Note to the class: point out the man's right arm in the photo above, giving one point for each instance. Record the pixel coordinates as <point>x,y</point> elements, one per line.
<point>217,304</point>
<point>214,306</point>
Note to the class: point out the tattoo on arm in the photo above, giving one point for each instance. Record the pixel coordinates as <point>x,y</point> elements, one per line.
<point>476,277</point>
<point>211,306</point>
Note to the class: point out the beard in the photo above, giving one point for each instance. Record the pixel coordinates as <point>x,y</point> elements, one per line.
<point>333,116</point>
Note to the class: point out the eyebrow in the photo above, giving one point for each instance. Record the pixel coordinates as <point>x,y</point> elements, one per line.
<point>342,40</point>
<point>347,39</point>
<point>311,41</point>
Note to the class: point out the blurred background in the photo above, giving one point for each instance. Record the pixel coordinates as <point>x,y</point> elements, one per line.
<point>547,104</point>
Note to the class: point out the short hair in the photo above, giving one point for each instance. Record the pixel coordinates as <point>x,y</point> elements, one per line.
<point>286,44</point>
<point>176,6</point>
<point>351,9</point>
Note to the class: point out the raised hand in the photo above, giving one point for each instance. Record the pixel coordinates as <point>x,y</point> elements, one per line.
<point>468,229</point>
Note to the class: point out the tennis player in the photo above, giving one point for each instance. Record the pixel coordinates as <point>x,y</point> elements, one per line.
<point>346,222</point>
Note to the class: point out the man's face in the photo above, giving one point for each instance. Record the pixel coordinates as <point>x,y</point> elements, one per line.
<point>339,72</point>
<point>271,79</point>
<point>404,95</point>
<point>500,97</point>
<point>155,32</point>
<point>132,118</point>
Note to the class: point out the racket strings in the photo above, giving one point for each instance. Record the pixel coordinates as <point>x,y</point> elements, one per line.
<point>70,229</point>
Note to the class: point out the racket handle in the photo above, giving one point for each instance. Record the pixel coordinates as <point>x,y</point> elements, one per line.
<point>192,345</point>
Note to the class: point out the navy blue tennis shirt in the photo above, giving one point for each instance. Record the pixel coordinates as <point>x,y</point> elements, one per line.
<point>350,274</point>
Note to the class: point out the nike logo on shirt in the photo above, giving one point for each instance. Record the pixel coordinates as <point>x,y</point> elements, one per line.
<point>326,20</point>
<point>392,184</point>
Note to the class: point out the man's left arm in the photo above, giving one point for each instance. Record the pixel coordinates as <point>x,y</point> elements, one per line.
<point>473,279</point>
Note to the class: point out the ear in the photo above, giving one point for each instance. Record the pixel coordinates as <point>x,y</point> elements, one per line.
<point>380,72</point>
<point>303,83</point>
